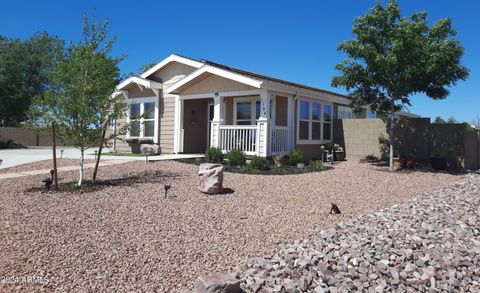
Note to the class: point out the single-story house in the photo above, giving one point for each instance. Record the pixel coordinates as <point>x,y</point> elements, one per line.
<point>190,105</point>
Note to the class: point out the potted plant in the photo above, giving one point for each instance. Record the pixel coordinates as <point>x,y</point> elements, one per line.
<point>339,154</point>
<point>296,158</point>
<point>136,142</point>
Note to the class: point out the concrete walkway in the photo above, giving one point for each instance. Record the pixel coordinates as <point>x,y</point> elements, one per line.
<point>17,157</point>
<point>66,168</point>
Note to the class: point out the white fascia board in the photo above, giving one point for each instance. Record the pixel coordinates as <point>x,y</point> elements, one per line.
<point>171,58</point>
<point>298,91</point>
<point>216,71</point>
<point>141,81</point>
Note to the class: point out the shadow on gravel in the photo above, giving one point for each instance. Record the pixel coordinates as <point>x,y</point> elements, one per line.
<point>423,168</point>
<point>88,186</point>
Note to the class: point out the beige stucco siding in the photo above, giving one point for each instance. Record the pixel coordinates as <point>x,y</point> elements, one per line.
<point>215,84</point>
<point>172,72</point>
<point>166,127</point>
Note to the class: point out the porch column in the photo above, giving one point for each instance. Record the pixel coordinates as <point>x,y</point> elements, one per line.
<point>178,131</point>
<point>218,119</point>
<point>263,125</point>
<point>290,123</point>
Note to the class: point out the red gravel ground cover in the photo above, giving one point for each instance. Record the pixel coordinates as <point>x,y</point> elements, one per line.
<point>122,235</point>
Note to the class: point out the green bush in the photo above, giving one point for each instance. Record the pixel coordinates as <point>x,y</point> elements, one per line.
<point>236,158</point>
<point>214,155</point>
<point>259,163</point>
<point>316,165</point>
<point>295,157</point>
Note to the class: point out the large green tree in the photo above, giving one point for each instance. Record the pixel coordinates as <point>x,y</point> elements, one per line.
<point>25,68</point>
<point>79,100</point>
<point>392,58</point>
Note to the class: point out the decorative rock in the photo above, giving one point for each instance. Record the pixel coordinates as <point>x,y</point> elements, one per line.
<point>210,178</point>
<point>433,248</point>
<point>217,283</point>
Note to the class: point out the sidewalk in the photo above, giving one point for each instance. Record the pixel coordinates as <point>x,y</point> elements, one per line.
<point>66,168</point>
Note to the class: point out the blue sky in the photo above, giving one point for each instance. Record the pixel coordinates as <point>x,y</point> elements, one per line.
<point>293,40</point>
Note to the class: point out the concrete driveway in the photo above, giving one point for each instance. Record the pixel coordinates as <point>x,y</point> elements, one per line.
<point>17,157</point>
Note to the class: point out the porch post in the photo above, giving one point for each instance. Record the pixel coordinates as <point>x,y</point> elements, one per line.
<point>217,120</point>
<point>290,123</point>
<point>178,131</point>
<point>263,125</point>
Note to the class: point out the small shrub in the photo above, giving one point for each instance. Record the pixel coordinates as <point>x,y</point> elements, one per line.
<point>371,158</point>
<point>236,158</point>
<point>214,155</point>
<point>316,165</point>
<point>295,157</point>
<point>5,143</point>
<point>259,163</point>
<point>278,160</point>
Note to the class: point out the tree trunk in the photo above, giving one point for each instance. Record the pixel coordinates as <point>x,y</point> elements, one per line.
<point>391,133</point>
<point>82,158</point>
<point>102,140</point>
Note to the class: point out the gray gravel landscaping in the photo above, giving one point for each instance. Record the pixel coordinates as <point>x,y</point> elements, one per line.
<point>122,235</point>
<point>429,244</point>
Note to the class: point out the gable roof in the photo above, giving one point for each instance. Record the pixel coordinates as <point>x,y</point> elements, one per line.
<point>240,72</point>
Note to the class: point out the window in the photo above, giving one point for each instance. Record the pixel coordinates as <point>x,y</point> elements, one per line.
<point>345,112</point>
<point>149,119</point>
<point>134,115</point>
<point>314,121</point>
<point>142,119</point>
<point>247,111</point>
<point>304,124</point>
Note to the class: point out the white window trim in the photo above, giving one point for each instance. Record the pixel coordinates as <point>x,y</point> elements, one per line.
<point>310,141</point>
<point>141,101</point>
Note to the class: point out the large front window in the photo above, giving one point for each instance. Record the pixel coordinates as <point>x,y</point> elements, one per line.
<point>247,111</point>
<point>142,119</point>
<point>314,121</point>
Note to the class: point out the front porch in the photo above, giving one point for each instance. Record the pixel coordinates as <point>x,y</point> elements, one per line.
<point>257,122</point>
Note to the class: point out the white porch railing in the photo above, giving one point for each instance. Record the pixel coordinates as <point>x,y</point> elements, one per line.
<point>279,143</point>
<point>241,137</point>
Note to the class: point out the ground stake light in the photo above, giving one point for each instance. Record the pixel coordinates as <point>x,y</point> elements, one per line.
<point>48,181</point>
<point>167,188</point>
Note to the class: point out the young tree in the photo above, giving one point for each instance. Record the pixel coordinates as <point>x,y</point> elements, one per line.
<point>439,120</point>
<point>392,58</point>
<point>25,68</point>
<point>79,100</point>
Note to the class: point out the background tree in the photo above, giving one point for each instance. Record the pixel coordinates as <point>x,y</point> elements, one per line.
<point>146,67</point>
<point>439,120</point>
<point>392,58</point>
<point>25,69</point>
<point>452,120</point>
<point>79,100</point>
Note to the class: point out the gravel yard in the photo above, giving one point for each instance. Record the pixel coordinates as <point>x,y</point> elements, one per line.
<point>429,244</point>
<point>123,235</point>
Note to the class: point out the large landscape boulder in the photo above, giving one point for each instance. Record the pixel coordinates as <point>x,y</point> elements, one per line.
<point>217,283</point>
<point>210,178</point>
